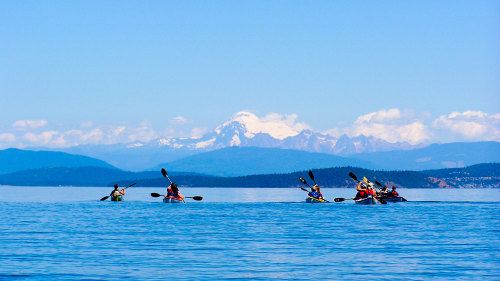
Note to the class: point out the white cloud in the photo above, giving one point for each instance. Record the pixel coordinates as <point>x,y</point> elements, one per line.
<point>97,135</point>
<point>44,138</point>
<point>29,124</point>
<point>380,116</point>
<point>198,132</point>
<point>179,120</point>
<point>471,125</point>
<point>143,133</point>
<point>94,136</point>
<point>391,125</point>
<point>279,126</point>
<point>7,138</point>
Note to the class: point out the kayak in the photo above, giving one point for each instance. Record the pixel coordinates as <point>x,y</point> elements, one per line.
<point>116,198</point>
<point>393,199</point>
<point>315,200</point>
<point>172,200</point>
<point>367,201</point>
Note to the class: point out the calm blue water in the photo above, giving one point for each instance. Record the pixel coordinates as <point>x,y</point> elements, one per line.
<point>67,234</point>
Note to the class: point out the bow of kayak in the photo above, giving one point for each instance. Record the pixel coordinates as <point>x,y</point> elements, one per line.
<point>367,201</point>
<point>116,198</point>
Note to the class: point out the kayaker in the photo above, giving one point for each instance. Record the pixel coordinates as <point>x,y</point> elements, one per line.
<point>315,192</point>
<point>393,192</point>
<point>362,189</point>
<point>173,192</point>
<point>382,193</point>
<point>371,189</point>
<point>116,192</point>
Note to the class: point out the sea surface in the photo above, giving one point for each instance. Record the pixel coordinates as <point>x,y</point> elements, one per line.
<point>67,233</point>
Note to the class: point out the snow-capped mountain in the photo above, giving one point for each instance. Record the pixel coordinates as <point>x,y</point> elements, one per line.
<point>246,129</point>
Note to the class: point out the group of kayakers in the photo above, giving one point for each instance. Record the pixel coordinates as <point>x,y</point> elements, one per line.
<point>366,188</point>
<point>367,193</point>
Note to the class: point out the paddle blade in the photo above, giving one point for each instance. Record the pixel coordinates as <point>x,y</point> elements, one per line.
<point>339,199</point>
<point>164,172</point>
<point>197,198</point>
<point>353,176</point>
<point>155,195</point>
<point>104,198</point>
<point>311,176</point>
<point>304,189</point>
<point>302,180</point>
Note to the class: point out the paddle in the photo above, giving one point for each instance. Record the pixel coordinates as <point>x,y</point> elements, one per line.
<point>342,199</point>
<point>164,172</point>
<point>106,197</point>
<point>302,180</point>
<point>196,198</point>
<point>312,176</point>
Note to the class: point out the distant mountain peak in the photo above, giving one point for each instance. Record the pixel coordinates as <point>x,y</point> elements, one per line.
<point>250,125</point>
<point>278,131</point>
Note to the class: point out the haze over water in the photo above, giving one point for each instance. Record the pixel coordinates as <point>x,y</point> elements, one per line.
<point>45,236</point>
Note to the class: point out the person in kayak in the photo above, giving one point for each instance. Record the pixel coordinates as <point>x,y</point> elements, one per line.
<point>173,192</point>
<point>362,189</point>
<point>371,189</point>
<point>116,192</point>
<point>315,192</point>
<point>393,192</point>
<point>382,193</point>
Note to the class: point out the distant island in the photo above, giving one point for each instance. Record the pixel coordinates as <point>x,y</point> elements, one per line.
<point>475,176</point>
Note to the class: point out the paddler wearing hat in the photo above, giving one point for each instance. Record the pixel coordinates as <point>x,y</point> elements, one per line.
<point>315,192</point>
<point>362,189</point>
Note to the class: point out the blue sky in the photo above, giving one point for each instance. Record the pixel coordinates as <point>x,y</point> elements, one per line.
<point>178,68</point>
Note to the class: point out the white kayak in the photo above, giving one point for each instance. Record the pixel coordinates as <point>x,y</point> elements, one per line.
<point>370,200</point>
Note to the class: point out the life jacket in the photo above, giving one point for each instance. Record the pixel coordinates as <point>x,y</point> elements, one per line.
<point>170,192</point>
<point>115,193</point>
<point>361,194</point>
<point>314,194</point>
<point>394,193</point>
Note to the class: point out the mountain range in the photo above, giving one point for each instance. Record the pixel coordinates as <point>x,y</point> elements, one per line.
<point>242,130</point>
